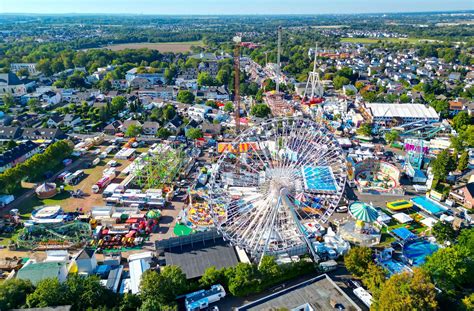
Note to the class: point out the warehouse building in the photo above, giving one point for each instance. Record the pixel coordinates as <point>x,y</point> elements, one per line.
<point>386,112</point>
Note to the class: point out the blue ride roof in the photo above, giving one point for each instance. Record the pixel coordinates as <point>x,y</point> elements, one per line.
<point>319,178</point>
<point>403,233</point>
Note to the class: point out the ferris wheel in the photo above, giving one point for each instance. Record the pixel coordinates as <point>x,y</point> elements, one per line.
<point>276,182</point>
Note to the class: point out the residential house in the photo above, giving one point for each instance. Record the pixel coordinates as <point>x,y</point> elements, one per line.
<point>464,195</point>
<point>140,83</point>
<point>150,128</point>
<point>127,123</point>
<point>26,120</point>
<point>174,124</point>
<point>163,92</point>
<point>199,112</point>
<point>18,154</point>
<point>211,128</point>
<point>455,107</point>
<point>454,76</point>
<point>71,120</point>
<point>349,87</point>
<point>5,119</point>
<point>10,132</point>
<point>217,93</point>
<point>42,133</point>
<point>120,84</point>
<point>85,262</point>
<point>31,67</point>
<point>153,78</point>
<point>38,271</point>
<point>55,120</point>
<point>113,128</point>
<point>11,84</point>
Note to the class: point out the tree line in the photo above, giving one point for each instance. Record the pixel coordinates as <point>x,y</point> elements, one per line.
<point>450,269</point>
<point>35,167</point>
<point>158,290</point>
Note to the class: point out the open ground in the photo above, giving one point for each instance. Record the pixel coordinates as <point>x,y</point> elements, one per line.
<point>163,47</point>
<point>391,40</point>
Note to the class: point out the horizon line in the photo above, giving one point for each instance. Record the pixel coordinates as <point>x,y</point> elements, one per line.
<point>239,14</point>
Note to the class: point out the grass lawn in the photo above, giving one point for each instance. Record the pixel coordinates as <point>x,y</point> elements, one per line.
<point>5,238</point>
<point>391,40</point>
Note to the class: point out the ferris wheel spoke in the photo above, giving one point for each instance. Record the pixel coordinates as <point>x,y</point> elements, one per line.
<point>275,199</point>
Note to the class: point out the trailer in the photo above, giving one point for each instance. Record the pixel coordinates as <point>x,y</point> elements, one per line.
<point>103,182</point>
<point>75,178</point>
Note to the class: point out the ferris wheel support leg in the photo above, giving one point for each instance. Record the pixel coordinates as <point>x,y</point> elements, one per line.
<point>284,194</point>
<point>267,241</point>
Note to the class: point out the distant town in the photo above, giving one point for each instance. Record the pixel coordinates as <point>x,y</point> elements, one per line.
<point>237,163</point>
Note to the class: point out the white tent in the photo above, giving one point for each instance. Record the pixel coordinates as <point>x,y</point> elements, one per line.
<point>402,218</point>
<point>383,218</point>
<point>429,222</point>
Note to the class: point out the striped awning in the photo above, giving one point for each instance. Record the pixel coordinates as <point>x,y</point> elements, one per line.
<point>364,212</point>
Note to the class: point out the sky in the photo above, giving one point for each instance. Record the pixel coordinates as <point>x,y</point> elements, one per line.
<point>179,7</point>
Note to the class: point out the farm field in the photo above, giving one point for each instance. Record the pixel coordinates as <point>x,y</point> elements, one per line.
<point>391,40</point>
<point>163,47</point>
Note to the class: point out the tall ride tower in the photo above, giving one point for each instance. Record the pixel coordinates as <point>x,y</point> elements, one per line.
<point>314,91</point>
<point>237,40</point>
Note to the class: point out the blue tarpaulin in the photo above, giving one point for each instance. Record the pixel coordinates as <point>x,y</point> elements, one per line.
<point>403,233</point>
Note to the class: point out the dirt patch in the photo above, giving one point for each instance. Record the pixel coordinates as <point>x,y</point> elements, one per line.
<point>164,47</point>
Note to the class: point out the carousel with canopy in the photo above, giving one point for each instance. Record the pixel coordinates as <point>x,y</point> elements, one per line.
<point>277,183</point>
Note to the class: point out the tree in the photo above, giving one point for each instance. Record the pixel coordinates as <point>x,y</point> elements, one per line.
<point>212,104</point>
<point>463,161</point>
<point>8,100</point>
<point>205,79</point>
<point>34,105</point>
<point>133,130</point>
<point>48,293</point>
<point>374,277</point>
<point>468,302</point>
<point>105,85</point>
<point>194,133</point>
<point>442,165</point>
<point>13,293</point>
<point>441,106</point>
<point>87,293</point>
<point>168,112</point>
<point>406,292</point>
<point>457,143</point>
<point>163,133</point>
<point>404,98</point>
<point>357,260</point>
<point>118,104</point>
<point>340,81</point>
<point>11,144</point>
<point>211,277</point>
<point>365,129</point>
<point>443,231</point>
<point>228,107</point>
<point>392,136</point>
<point>260,111</point>
<point>449,269</point>
<point>130,302</point>
<point>163,288</point>
<point>185,97</point>
<point>461,121</point>
<point>245,280</point>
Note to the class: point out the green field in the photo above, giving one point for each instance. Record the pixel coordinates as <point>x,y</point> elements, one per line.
<point>391,40</point>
